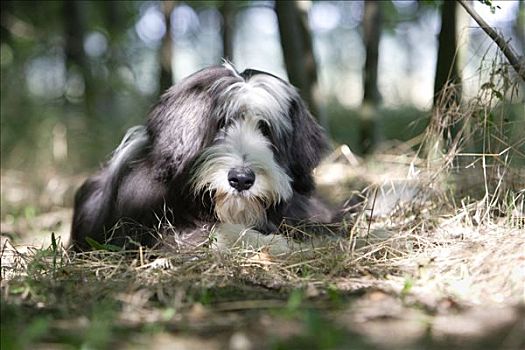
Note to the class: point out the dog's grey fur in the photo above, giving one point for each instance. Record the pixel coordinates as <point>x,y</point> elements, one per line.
<point>170,177</point>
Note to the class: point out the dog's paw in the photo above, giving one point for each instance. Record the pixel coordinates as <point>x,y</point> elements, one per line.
<point>232,237</point>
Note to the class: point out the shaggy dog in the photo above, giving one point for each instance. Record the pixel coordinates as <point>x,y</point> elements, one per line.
<point>225,152</point>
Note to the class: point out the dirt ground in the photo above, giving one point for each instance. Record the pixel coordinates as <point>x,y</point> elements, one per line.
<point>424,275</point>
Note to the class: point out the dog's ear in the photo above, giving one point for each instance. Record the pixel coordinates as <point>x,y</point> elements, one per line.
<point>309,146</point>
<point>183,122</point>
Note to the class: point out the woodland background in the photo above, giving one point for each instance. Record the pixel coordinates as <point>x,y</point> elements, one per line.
<point>427,121</point>
<point>76,74</point>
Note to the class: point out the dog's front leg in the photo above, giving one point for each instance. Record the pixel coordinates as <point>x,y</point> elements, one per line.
<point>231,237</point>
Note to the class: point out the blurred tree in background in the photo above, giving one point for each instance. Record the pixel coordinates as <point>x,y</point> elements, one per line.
<point>296,42</point>
<point>372,24</point>
<point>447,64</point>
<point>166,50</point>
<point>76,74</point>
<point>227,9</point>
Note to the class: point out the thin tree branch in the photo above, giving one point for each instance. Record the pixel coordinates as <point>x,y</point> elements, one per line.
<point>507,50</point>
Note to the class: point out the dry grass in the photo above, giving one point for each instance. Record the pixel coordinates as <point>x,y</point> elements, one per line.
<point>441,233</point>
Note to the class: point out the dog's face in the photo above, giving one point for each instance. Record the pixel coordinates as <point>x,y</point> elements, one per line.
<point>257,145</point>
<point>240,169</point>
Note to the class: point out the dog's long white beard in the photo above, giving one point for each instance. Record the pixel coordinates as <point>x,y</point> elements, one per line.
<point>239,210</point>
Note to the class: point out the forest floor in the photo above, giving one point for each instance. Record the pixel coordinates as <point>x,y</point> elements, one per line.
<point>419,269</point>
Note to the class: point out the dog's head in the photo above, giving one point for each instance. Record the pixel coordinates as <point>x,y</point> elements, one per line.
<point>244,139</point>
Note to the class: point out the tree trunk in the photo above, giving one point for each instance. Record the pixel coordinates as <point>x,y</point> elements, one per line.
<point>5,10</point>
<point>372,24</point>
<point>74,51</point>
<point>447,90</point>
<point>114,25</point>
<point>114,19</point>
<point>228,25</point>
<point>166,49</point>
<point>446,68</point>
<point>296,42</point>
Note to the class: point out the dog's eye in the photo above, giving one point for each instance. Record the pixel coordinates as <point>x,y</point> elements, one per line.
<point>264,128</point>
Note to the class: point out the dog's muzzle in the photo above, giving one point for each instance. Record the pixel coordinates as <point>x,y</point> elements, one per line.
<point>241,178</point>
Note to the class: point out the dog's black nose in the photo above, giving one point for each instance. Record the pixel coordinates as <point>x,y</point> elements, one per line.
<point>241,179</point>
